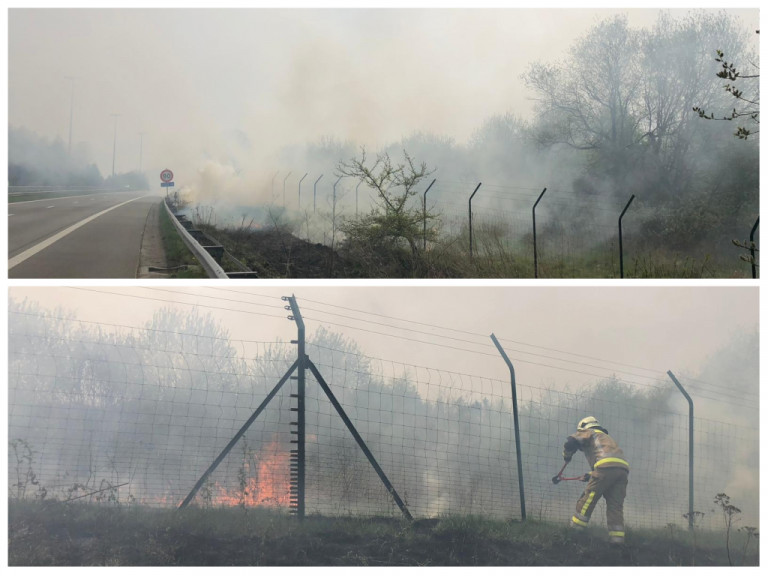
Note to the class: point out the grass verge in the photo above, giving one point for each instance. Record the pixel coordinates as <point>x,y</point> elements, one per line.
<point>176,252</point>
<point>76,534</point>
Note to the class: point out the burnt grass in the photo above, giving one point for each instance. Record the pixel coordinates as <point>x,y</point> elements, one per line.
<point>276,253</point>
<point>60,534</point>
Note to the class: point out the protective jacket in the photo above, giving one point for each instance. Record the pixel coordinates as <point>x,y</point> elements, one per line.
<point>599,448</point>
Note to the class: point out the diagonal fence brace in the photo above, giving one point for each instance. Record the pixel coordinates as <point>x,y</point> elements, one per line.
<point>358,438</point>
<point>237,436</point>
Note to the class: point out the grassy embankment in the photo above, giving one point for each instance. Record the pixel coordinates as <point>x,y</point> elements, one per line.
<point>55,533</point>
<point>494,256</point>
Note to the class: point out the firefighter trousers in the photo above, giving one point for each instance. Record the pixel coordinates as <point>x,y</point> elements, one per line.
<point>611,484</point>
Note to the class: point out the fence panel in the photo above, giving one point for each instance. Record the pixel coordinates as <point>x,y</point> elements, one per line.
<point>137,416</point>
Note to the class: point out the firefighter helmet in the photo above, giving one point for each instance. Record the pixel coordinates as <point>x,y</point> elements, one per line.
<point>587,423</point>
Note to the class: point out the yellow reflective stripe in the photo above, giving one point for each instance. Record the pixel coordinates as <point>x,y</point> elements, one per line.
<point>616,534</point>
<point>608,460</point>
<point>579,522</point>
<point>598,432</point>
<point>587,503</point>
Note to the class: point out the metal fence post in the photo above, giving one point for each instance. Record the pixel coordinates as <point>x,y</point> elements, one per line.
<point>517,425</point>
<point>535,253</point>
<point>356,195</point>
<point>690,448</point>
<point>302,178</point>
<point>752,247</point>
<point>314,196</point>
<point>334,191</point>
<point>298,469</point>
<point>621,242</point>
<point>284,179</point>
<point>273,185</point>
<point>425,212</point>
<point>470,218</point>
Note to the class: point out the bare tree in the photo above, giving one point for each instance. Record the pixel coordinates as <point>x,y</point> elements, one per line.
<point>393,222</point>
<point>749,104</point>
<point>624,96</point>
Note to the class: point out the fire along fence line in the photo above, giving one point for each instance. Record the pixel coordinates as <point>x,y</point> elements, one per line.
<point>102,416</point>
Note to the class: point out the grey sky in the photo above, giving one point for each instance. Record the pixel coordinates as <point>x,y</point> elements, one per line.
<point>191,78</point>
<point>660,328</point>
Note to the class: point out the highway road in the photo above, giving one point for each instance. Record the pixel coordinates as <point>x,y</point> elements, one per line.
<point>89,236</point>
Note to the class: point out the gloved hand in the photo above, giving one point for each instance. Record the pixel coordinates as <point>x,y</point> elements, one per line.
<point>586,477</point>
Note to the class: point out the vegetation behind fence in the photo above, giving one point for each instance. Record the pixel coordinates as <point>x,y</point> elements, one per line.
<point>104,414</point>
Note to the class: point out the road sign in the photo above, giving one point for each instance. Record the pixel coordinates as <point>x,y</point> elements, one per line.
<point>166,175</point>
<point>166,184</point>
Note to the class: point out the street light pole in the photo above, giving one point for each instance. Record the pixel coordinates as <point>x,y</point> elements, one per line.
<point>141,148</point>
<point>114,144</point>
<point>71,112</point>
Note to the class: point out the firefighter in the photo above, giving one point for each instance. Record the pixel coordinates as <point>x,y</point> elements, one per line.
<point>608,478</point>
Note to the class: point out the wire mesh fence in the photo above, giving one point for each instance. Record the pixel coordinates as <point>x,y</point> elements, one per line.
<point>112,415</point>
<point>577,234</point>
<point>577,230</point>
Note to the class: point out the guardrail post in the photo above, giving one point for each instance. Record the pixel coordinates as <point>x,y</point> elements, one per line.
<point>517,424</point>
<point>470,218</point>
<point>535,253</point>
<point>621,242</point>
<point>690,448</point>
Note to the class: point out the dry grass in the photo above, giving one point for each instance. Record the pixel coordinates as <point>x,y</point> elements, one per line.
<point>54,533</point>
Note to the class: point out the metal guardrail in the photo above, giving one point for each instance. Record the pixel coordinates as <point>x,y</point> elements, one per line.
<point>212,268</point>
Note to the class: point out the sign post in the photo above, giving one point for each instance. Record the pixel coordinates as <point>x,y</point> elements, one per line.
<point>166,180</point>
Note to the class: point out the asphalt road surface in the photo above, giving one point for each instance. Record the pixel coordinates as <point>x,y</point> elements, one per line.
<point>90,236</point>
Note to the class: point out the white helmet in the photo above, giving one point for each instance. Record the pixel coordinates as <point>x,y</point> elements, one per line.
<point>587,423</point>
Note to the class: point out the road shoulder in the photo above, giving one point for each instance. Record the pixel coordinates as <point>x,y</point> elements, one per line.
<point>152,249</point>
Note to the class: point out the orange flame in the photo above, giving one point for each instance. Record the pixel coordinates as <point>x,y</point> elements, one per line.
<point>270,486</point>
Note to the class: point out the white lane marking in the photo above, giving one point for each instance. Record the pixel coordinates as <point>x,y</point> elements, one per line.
<point>29,252</point>
<point>65,197</point>
<point>10,214</point>
<point>50,206</point>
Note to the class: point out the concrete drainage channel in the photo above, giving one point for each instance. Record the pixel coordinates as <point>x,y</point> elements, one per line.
<point>207,250</point>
